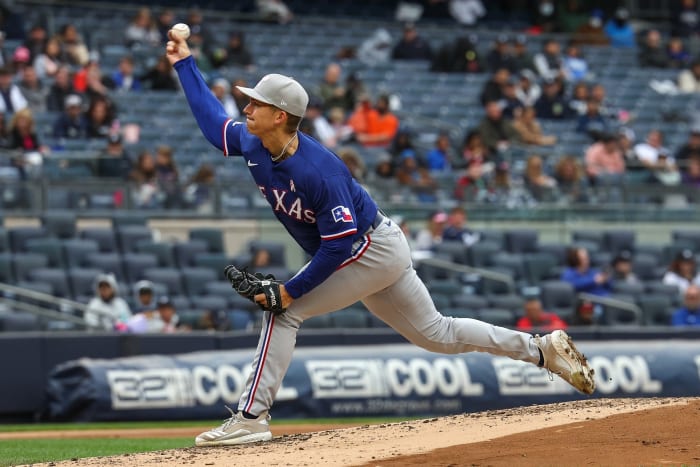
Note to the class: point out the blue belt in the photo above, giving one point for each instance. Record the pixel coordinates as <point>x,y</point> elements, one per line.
<point>378,219</point>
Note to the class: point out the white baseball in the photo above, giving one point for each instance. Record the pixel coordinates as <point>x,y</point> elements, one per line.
<point>182,30</point>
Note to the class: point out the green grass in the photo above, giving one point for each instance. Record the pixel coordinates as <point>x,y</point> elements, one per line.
<point>16,452</point>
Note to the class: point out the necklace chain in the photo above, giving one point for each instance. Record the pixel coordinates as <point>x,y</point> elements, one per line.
<point>284,149</point>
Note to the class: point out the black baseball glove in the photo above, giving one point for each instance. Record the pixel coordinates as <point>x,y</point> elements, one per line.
<point>249,285</point>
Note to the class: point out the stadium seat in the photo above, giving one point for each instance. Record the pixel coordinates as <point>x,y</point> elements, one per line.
<point>455,251</point>
<point>617,240</point>
<point>240,320</point>
<point>214,261</point>
<point>588,236</point>
<point>109,263</point>
<point>3,240</point>
<point>615,316</point>
<point>18,322</point>
<point>481,253</point>
<point>209,302</point>
<point>170,277</point>
<point>7,274</point>
<point>185,252</point>
<point>125,218</point>
<point>656,309</point>
<point>538,267</point>
<point>646,267</point>
<point>458,312</point>
<point>468,302</point>
<point>659,288</point>
<point>19,236</point>
<point>77,250</point>
<point>521,241</point>
<point>350,318</point>
<point>318,322</point>
<point>56,277</point>
<point>443,287</point>
<point>511,302</point>
<point>24,263</point>
<point>441,301</point>
<point>82,281</point>
<point>558,297</point>
<point>276,250</point>
<point>50,247</point>
<point>135,265</point>
<point>690,238</point>
<point>161,250</point>
<point>512,262</point>
<point>497,287</point>
<point>212,237</point>
<point>59,224</point>
<point>196,280</point>
<point>129,235</point>
<point>498,317</point>
<point>635,290</point>
<point>106,238</point>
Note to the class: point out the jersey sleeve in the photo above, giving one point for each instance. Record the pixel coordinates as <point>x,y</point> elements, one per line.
<point>209,113</point>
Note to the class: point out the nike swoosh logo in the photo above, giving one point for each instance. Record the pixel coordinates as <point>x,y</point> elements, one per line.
<point>251,164</point>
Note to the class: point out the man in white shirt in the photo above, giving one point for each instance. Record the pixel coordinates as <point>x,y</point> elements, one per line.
<point>655,157</point>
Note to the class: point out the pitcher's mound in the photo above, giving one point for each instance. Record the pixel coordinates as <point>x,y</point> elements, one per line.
<point>589,432</point>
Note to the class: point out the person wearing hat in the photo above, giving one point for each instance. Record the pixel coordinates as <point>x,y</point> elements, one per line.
<point>682,272</point>
<point>222,90</point>
<point>114,161</point>
<point>107,310</point>
<point>412,46</point>
<point>357,253</point>
<point>528,90</point>
<point>161,319</point>
<point>144,296</point>
<point>72,123</point>
<point>500,55</point>
<point>622,269</point>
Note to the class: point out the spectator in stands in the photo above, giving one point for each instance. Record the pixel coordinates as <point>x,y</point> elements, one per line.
<point>553,105</point>
<point>332,90</point>
<point>579,99</point>
<point>142,30</point>
<point>33,90</point>
<point>274,10</point>
<point>374,126</point>
<point>493,89</point>
<point>163,320</point>
<point>592,122</point>
<point>198,192</point>
<point>591,32</point>
<point>412,46</point>
<point>22,133</point>
<point>353,161</point>
<point>411,175</point>
<point>165,21</point>
<point>376,49</point>
<point>605,163</point>
<point>90,80</point>
<point>656,158</point>
<point>146,191</point>
<point>622,269</point>
<point>385,168</point>
<point>689,313</point>
<point>199,29</point>
<point>510,103</point>
<point>342,131</point>
<point>584,314</point>
<point>49,60</point>
<point>100,118</point>
<point>168,176</point>
<point>619,30</point>
<point>123,78</point>
<point>570,179</point>
<point>682,272</point>
<point>76,52</point>
<point>11,98</point>
<point>496,132</point>
<point>689,78</point>
<point>459,56</point>
<point>20,60</point>
<point>543,17</point>
<point>691,147</point>
<point>685,20</point>
<point>500,55</point>
<point>691,175</point>
<point>114,162</point>
<point>221,88</point>
<point>528,91</point>
<point>160,77</point>
<point>549,63</point>
<point>574,66</point>
<point>582,276</point>
<point>61,88</point>
<point>198,46</point>
<point>107,310</point>
<point>37,38</point>
<point>526,124</point>
<point>521,58</point>
<point>4,133</point>
<point>456,229</point>
<point>651,51</point>
<point>538,183</point>
<point>322,129</point>
<point>144,297</point>
<point>678,55</point>
<point>627,138</point>
<point>71,123</point>
<point>239,98</point>
<point>237,54</point>
<point>536,318</point>
<point>432,234</point>
<point>439,159</point>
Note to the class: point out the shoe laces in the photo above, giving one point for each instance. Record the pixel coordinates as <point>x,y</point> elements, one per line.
<point>229,420</point>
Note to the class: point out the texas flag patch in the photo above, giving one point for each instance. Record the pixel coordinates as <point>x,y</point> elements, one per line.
<point>341,213</point>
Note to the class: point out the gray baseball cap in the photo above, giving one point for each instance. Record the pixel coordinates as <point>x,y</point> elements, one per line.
<point>281,91</point>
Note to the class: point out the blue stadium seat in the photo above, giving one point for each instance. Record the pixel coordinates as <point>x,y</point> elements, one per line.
<point>163,251</point>
<point>77,250</point>
<point>24,263</point>
<point>54,276</point>
<point>186,252</point>
<point>212,237</point>
<point>106,238</point>
<point>135,265</point>
<point>50,247</point>
<point>171,278</point>
<point>109,263</point>
<point>60,224</point>
<point>196,280</point>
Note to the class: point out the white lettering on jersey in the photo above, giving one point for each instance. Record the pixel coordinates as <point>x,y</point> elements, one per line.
<point>291,186</point>
<point>262,190</point>
<point>309,216</point>
<point>279,198</point>
<point>295,209</point>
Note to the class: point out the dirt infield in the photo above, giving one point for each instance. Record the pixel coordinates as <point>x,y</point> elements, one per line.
<point>589,432</point>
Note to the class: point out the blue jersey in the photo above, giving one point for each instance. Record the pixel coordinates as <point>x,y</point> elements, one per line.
<point>311,193</point>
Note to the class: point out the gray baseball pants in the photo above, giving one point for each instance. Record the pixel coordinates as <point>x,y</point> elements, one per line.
<point>381,275</point>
